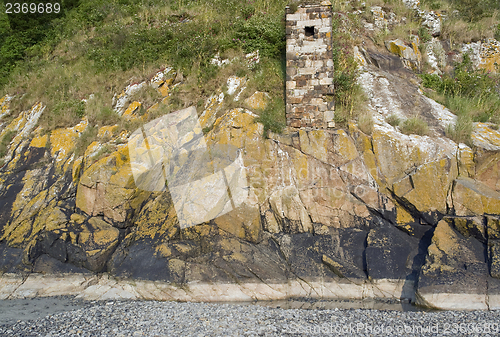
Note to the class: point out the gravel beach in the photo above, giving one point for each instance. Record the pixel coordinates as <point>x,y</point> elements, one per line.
<point>152,318</point>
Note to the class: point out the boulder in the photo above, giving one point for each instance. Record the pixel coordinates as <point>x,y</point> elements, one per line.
<point>455,274</point>
<point>258,101</point>
<point>409,54</point>
<point>98,241</point>
<point>107,188</point>
<point>471,198</point>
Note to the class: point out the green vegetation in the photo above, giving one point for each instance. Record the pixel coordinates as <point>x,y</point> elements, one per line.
<point>348,95</point>
<point>469,93</point>
<point>6,139</point>
<point>273,117</point>
<point>415,125</point>
<point>393,120</point>
<point>96,47</point>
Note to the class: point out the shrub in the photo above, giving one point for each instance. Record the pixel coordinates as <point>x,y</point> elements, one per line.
<point>348,95</point>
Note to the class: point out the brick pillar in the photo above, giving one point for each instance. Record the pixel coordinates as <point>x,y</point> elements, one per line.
<point>309,67</point>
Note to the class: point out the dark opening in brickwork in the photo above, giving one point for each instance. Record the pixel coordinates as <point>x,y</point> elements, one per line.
<point>309,31</point>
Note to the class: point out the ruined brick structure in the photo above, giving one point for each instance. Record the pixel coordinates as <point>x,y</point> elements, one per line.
<point>309,66</point>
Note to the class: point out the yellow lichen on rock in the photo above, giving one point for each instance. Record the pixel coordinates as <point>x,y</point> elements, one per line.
<point>103,232</point>
<point>39,141</point>
<point>63,141</point>
<point>490,56</point>
<point>411,56</point>
<point>315,143</point>
<point>243,222</point>
<point>107,131</point>
<point>213,105</point>
<point>466,161</point>
<point>77,168</point>
<point>20,230</point>
<point>427,196</point>
<point>471,197</point>
<point>4,105</point>
<point>98,241</point>
<point>158,218</point>
<point>131,112</point>
<point>258,101</point>
<point>56,220</point>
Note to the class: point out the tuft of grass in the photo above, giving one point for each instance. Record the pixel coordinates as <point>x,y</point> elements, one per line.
<point>461,131</point>
<point>4,143</point>
<point>273,116</point>
<point>365,124</point>
<point>393,120</point>
<point>85,139</point>
<point>415,125</point>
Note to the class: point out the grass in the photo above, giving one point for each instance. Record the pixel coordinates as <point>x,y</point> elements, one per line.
<point>349,97</point>
<point>469,93</point>
<point>365,124</point>
<point>272,116</point>
<point>415,125</point>
<point>393,120</point>
<point>5,141</point>
<point>461,131</point>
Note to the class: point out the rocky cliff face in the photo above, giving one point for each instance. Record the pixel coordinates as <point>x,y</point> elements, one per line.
<point>329,213</point>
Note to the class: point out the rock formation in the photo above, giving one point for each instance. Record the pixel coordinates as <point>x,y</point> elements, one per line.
<point>331,213</point>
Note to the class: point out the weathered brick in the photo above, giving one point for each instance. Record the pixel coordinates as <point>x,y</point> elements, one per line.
<point>311,60</point>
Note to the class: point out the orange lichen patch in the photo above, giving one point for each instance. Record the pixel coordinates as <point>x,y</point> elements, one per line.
<point>40,141</point>
<point>490,56</point>
<point>258,101</point>
<point>63,141</point>
<point>107,131</point>
<point>4,105</point>
<point>131,112</point>
<point>213,105</point>
<point>164,90</point>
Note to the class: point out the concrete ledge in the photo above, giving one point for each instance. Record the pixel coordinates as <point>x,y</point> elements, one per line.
<point>101,287</point>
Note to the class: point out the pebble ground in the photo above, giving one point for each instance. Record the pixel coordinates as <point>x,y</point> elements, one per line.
<point>152,318</point>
